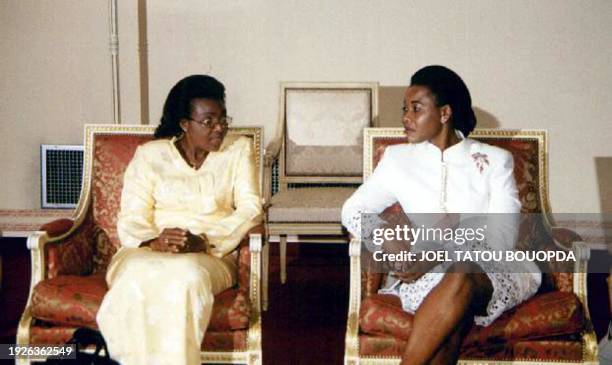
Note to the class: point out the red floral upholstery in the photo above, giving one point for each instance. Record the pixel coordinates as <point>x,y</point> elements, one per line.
<point>72,256</point>
<point>103,250</point>
<point>44,334</point>
<point>548,350</point>
<point>57,227</point>
<point>370,283</point>
<point>236,340</point>
<point>380,346</point>
<point>231,311</point>
<point>563,281</point>
<point>543,316</point>
<point>526,170</point>
<point>244,266</point>
<point>74,301</point>
<point>69,300</point>
<point>553,350</point>
<point>112,153</point>
<point>547,315</point>
<point>565,350</point>
<point>502,351</point>
<point>225,341</point>
<point>383,315</point>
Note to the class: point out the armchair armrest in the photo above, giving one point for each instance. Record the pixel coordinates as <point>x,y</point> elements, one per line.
<point>271,153</point>
<point>37,244</point>
<point>57,227</point>
<point>66,247</point>
<point>583,253</point>
<point>352,328</point>
<point>249,263</point>
<point>255,246</point>
<point>565,276</point>
<point>564,237</point>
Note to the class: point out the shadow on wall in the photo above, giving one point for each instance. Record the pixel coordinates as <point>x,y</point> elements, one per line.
<point>485,119</point>
<point>603,169</point>
<point>390,102</point>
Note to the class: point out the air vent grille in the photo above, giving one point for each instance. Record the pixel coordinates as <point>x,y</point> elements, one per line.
<point>62,175</point>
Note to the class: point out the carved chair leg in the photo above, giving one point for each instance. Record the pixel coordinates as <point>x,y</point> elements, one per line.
<point>283,258</point>
<point>265,261</point>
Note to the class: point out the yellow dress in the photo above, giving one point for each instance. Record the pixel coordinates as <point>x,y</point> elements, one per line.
<point>159,304</point>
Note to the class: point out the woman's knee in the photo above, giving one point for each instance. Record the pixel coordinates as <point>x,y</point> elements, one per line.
<point>460,277</point>
<point>471,284</point>
<point>461,286</point>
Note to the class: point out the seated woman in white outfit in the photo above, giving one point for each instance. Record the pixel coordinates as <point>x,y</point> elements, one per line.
<point>188,199</point>
<point>442,171</point>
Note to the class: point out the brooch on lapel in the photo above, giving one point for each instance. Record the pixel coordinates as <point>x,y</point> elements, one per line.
<point>481,160</point>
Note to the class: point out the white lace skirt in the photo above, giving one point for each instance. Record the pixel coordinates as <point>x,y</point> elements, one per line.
<point>509,290</point>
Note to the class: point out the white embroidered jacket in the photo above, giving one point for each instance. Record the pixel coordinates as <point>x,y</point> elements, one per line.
<point>468,177</point>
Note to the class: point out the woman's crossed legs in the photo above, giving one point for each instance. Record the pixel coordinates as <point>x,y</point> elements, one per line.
<point>446,315</point>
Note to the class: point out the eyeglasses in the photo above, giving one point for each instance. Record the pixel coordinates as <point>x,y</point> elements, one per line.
<point>211,122</point>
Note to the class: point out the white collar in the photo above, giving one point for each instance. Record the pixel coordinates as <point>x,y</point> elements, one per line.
<point>459,149</point>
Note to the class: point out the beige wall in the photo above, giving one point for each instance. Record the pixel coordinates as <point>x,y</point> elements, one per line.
<point>529,64</point>
<point>56,76</point>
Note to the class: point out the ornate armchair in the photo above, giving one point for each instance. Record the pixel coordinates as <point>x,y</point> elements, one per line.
<point>551,327</point>
<point>70,256</point>
<point>314,164</point>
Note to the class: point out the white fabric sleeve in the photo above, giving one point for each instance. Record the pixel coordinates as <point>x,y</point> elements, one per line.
<point>247,201</point>
<point>373,196</point>
<point>504,205</point>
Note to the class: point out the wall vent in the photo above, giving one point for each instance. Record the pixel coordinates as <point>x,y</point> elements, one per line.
<point>61,175</point>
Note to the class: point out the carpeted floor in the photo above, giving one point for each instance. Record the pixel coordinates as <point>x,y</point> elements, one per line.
<point>306,319</point>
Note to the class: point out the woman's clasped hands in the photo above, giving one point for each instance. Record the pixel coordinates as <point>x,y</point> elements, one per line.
<point>177,240</point>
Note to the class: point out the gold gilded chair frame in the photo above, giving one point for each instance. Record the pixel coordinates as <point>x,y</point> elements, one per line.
<point>252,354</point>
<point>581,251</point>
<point>276,152</point>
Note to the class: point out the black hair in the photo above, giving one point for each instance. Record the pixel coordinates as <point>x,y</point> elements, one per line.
<point>178,103</point>
<point>449,89</point>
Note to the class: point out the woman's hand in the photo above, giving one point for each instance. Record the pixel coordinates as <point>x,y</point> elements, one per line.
<point>179,240</point>
<point>409,272</point>
<point>408,277</point>
<point>447,220</point>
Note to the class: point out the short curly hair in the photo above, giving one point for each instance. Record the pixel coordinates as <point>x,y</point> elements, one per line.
<point>449,89</point>
<point>178,103</point>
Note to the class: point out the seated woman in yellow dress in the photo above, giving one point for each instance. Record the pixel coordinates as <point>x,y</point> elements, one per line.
<point>188,199</point>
